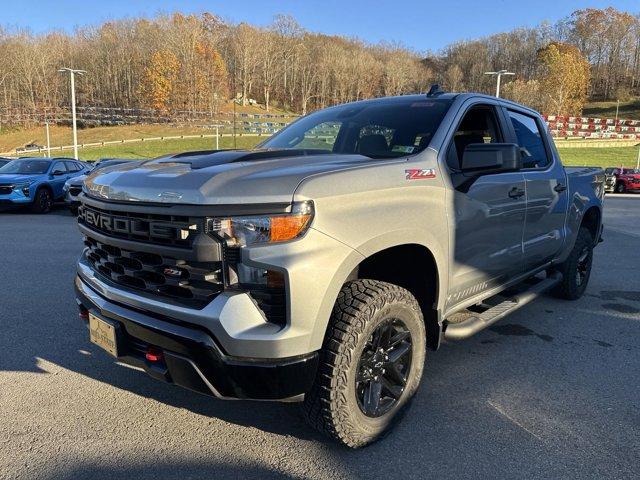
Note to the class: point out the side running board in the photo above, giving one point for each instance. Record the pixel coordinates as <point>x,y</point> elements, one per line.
<point>464,324</point>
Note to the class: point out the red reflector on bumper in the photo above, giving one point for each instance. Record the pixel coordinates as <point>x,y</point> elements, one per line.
<point>153,354</point>
<point>84,314</point>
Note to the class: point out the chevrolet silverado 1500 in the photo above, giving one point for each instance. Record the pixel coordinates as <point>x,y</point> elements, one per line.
<point>323,264</point>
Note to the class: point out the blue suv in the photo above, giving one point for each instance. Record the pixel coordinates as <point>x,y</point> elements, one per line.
<point>37,182</point>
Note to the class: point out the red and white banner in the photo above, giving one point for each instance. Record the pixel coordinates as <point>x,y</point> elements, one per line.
<point>591,127</point>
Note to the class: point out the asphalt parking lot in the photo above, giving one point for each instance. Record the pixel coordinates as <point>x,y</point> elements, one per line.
<point>552,391</point>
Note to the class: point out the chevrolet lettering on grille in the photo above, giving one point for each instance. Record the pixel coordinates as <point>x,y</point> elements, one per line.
<point>130,226</point>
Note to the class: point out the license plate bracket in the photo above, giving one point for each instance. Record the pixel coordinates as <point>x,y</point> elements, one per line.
<point>103,333</point>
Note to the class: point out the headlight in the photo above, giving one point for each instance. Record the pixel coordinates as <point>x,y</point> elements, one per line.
<point>243,231</point>
<point>21,185</point>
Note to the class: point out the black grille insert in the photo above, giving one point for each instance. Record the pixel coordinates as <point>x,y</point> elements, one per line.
<point>190,283</point>
<point>273,302</point>
<point>6,189</point>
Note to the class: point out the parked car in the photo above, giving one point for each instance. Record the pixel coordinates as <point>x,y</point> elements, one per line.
<point>29,147</point>
<point>322,270</point>
<point>621,180</point>
<point>73,187</point>
<point>36,182</point>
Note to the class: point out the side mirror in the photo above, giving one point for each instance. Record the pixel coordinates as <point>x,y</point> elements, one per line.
<point>491,158</point>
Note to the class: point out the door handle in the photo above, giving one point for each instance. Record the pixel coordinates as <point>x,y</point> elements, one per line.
<point>560,187</point>
<point>516,192</point>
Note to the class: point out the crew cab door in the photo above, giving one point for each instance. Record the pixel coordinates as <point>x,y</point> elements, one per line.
<point>546,189</point>
<point>487,211</point>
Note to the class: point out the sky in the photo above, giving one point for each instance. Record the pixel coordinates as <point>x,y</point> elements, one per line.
<point>421,25</point>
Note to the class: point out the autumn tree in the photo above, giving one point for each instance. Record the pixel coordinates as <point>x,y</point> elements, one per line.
<point>211,77</point>
<point>159,79</point>
<point>563,78</point>
<point>526,92</point>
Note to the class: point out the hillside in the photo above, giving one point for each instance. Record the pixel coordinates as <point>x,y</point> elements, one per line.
<point>12,138</point>
<point>629,110</point>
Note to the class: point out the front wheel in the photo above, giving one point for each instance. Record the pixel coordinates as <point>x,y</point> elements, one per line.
<point>42,202</point>
<point>371,362</point>
<point>620,188</point>
<point>576,269</point>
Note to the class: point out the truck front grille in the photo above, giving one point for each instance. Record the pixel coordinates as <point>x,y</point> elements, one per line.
<point>191,283</point>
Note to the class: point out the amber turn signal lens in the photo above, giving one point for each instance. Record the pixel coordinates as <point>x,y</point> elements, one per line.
<point>288,227</point>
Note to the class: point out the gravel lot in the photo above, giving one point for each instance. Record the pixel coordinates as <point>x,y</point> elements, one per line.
<point>549,392</point>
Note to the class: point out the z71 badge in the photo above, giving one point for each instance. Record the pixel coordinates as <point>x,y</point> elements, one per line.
<point>420,174</point>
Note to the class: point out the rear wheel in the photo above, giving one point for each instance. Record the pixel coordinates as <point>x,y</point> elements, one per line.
<point>576,269</point>
<point>42,201</point>
<point>371,362</point>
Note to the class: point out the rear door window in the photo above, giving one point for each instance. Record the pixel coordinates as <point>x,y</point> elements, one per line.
<point>529,135</point>
<point>73,167</point>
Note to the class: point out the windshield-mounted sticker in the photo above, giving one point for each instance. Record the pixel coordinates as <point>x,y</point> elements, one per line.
<point>403,148</point>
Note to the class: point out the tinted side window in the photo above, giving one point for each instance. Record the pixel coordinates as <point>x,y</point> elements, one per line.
<point>58,167</point>
<point>73,167</point>
<point>530,140</point>
<point>479,125</point>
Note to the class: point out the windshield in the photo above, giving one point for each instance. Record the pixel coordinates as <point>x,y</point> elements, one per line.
<point>26,167</point>
<point>107,163</point>
<point>378,129</point>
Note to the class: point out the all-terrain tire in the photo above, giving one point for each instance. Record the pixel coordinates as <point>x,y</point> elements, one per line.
<point>362,307</point>
<point>42,201</point>
<point>576,269</point>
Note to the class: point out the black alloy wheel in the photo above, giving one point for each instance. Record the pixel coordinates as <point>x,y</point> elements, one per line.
<point>383,368</point>
<point>583,269</point>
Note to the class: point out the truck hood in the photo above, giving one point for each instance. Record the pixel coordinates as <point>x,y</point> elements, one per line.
<point>76,181</point>
<point>218,178</point>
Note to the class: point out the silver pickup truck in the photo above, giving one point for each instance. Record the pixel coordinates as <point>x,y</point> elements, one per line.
<point>322,265</point>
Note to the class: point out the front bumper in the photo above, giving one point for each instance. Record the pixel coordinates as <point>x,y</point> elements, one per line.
<point>192,358</point>
<point>71,200</point>
<point>15,198</point>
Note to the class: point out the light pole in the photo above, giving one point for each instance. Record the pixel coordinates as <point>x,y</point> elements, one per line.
<point>499,75</point>
<point>72,74</point>
<point>46,125</point>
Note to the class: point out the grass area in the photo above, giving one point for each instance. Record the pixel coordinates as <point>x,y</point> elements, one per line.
<point>600,157</point>
<point>628,110</point>
<point>153,148</point>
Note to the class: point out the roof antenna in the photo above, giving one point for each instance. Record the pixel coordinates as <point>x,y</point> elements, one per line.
<point>435,90</point>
